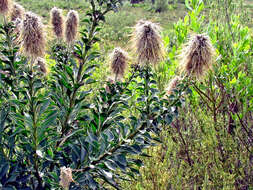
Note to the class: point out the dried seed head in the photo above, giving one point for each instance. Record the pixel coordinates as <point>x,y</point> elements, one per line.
<point>72,23</point>
<point>140,22</point>
<point>18,26</point>
<point>119,59</point>
<point>17,12</point>
<point>57,22</point>
<point>110,80</point>
<point>33,36</point>
<point>147,42</point>
<point>197,55</point>
<point>5,6</point>
<point>173,84</point>
<point>42,65</point>
<point>17,30</point>
<point>66,177</point>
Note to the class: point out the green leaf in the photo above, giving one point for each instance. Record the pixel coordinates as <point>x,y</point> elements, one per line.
<point>44,106</point>
<point>121,159</point>
<point>168,119</point>
<point>188,5</point>
<point>83,154</point>
<point>110,165</point>
<point>50,120</point>
<point>90,81</point>
<point>89,69</point>
<point>28,120</point>
<point>4,170</point>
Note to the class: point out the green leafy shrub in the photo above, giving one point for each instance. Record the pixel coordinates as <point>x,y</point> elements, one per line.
<point>57,132</point>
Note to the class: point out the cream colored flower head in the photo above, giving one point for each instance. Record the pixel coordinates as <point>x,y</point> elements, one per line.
<point>5,6</point>
<point>197,55</point>
<point>57,21</point>
<point>17,11</point>
<point>72,24</point>
<point>33,38</point>
<point>119,60</point>
<point>147,43</point>
<point>66,177</point>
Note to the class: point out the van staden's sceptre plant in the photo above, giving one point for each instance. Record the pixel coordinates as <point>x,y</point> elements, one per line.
<point>56,132</point>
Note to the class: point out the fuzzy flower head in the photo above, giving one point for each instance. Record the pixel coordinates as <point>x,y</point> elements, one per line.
<point>119,59</point>
<point>5,6</point>
<point>17,12</point>
<point>71,29</point>
<point>42,65</point>
<point>110,80</point>
<point>57,22</point>
<point>173,84</point>
<point>197,55</point>
<point>66,177</point>
<point>33,36</point>
<point>17,30</point>
<point>140,23</point>
<point>18,26</point>
<point>147,42</point>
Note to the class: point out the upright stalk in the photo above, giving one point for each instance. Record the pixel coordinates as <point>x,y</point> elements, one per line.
<point>34,122</point>
<point>10,48</point>
<point>147,89</point>
<point>78,81</point>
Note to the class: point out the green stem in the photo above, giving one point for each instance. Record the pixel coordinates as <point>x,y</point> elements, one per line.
<point>80,70</point>
<point>2,147</point>
<point>35,127</point>
<point>228,19</point>
<point>201,92</point>
<point>184,143</point>
<point>146,83</point>
<point>10,49</point>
